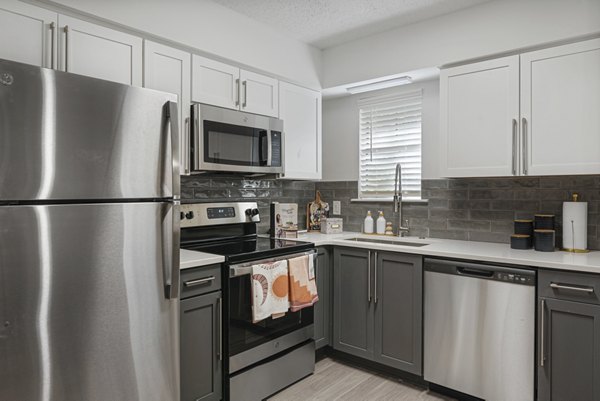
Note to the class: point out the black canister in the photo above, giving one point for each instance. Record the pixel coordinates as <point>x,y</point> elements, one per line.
<point>544,222</point>
<point>521,241</point>
<point>524,227</point>
<point>544,240</point>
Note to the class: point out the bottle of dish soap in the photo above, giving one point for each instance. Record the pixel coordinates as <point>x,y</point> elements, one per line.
<point>381,223</point>
<point>368,226</point>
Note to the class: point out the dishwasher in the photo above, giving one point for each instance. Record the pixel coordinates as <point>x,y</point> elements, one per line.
<point>479,330</point>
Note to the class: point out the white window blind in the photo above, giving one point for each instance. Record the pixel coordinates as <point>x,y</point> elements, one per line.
<point>390,133</point>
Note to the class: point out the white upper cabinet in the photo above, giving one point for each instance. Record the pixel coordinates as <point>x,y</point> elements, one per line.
<point>169,70</point>
<point>224,85</point>
<point>300,109</point>
<point>28,34</point>
<point>215,83</point>
<point>259,94</point>
<point>560,109</point>
<point>479,108</point>
<point>100,52</point>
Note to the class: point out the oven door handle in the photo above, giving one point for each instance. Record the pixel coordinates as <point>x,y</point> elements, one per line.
<point>244,269</point>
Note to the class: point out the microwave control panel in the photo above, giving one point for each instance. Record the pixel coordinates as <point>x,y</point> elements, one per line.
<point>276,148</point>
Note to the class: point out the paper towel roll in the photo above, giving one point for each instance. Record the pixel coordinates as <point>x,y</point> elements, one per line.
<point>575,226</point>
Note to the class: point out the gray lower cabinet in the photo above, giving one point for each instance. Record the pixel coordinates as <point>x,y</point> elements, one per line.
<point>322,308</point>
<point>568,337</point>
<point>353,302</point>
<point>378,307</point>
<point>201,367</point>
<point>398,310</point>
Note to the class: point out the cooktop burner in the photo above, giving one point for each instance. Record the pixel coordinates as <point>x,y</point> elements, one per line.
<point>238,250</point>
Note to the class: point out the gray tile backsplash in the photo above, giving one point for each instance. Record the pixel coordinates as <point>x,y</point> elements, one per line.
<point>477,209</point>
<point>466,209</point>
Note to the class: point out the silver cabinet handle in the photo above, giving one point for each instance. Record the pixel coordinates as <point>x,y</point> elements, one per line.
<point>542,333</point>
<point>52,31</point>
<point>245,85</point>
<point>186,147</point>
<point>375,281</point>
<point>369,277</point>
<point>514,146</point>
<point>200,281</point>
<point>220,328</point>
<point>525,146</point>
<point>589,290</point>
<point>66,29</point>
<point>237,85</point>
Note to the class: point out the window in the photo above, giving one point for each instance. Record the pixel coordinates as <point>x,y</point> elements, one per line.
<point>390,133</point>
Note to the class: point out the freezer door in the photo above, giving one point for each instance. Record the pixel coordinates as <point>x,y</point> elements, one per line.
<point>83,308</point>
<point>66,136</point>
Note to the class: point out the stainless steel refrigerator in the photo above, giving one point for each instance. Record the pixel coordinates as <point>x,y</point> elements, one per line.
<point>89,239</point>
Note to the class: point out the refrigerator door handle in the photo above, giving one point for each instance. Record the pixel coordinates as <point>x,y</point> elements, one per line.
<point>170,250</point>
<point>172,117</point>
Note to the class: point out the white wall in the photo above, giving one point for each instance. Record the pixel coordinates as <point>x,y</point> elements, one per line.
<point>494,27</point>
<point>213,29</point>
<point>340,132</point>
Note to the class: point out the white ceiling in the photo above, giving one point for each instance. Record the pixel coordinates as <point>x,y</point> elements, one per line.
<point>327,23</point>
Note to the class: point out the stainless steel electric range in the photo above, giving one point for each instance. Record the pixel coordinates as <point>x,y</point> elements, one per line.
<point>265,357</point>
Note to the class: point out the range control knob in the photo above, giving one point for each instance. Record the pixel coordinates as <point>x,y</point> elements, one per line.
<point>189,215</point>
<point>248,212</point>
<point>181,215</point>
<point>254,212</point>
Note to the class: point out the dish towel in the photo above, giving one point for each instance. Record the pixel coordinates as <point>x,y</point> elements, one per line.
<point>303,287</point>
<point>270,290</point>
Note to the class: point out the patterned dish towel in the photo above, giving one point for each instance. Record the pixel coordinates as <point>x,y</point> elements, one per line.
<point>303,287</point>
<point>269,290</point>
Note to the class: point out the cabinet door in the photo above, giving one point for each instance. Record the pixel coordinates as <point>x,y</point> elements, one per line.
<point>353,304</point>
<point>398,310</point>
<point>300,109</point>
<point>560,99</point>
<point>260,94</point>
<point>323,306</point>
<point>569,341</point>
<point>201,365</point>
<point>169,70</point>
<point>215,83</point>
<point>100,52</point>
<point>479,113</point>
<point>28,34</point>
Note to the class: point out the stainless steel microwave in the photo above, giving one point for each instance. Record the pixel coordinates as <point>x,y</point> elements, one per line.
<point>233,141</point>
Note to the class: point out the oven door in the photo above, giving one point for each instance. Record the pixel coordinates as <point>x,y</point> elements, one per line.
<point>249,342</point>
<point>229,140</point>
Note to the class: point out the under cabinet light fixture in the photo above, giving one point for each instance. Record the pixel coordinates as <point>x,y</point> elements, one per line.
<point>388,83</point>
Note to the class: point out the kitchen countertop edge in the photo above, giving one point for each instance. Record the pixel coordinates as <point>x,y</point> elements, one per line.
<point>189,259</point>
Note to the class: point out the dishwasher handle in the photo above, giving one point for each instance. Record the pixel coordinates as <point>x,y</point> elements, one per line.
<point>469,271</point>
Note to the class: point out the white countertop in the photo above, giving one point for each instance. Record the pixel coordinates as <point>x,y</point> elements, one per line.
<point>189,259</point>
<point>479,251</point>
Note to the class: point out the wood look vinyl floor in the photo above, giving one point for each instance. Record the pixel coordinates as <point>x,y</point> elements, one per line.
<point>335,381</point>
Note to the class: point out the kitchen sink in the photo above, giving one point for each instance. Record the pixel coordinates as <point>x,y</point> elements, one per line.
<point>387,242</point>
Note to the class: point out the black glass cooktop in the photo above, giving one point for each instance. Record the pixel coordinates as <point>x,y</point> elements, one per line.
<point>245,249</point>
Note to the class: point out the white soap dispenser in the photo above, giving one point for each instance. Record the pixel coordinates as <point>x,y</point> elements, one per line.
<point>381,223</point>
<point>368,226</point>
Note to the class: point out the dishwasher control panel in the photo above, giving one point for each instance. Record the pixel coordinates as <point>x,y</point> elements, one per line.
<point>515,278</point>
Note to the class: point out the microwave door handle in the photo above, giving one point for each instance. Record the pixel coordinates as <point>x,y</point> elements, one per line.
<point>262,135</point>
<point>270,148</point>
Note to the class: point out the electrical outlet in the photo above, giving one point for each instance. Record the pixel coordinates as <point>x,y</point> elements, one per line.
<point>337,208</point>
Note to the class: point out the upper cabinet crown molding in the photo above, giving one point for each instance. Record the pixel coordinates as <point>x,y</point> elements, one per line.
<point>28,34</point>
<point>530,114</point>
<point>99,52</point>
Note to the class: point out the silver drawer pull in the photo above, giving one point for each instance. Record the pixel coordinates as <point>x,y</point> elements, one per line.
<point>200,281</point>
<point>589,290</point>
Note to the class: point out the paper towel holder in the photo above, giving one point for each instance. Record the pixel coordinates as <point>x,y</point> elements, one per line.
<point>575,198</point>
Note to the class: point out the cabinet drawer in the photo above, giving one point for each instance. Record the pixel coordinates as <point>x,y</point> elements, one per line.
<point>200,280</point>
<point>579,287</point>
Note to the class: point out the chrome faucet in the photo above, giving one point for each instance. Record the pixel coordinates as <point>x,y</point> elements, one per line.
<point>398,201</point>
